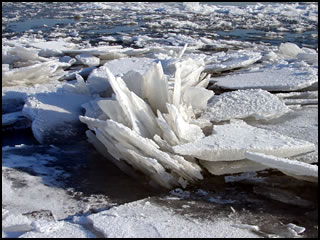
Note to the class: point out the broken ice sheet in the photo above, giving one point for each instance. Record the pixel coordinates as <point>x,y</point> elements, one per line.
<point>294,168</point>
<point>234,60</point>
<point>228,142</point>
<point>256,103</point>
<point>231,167</point>
<point>270,79</point>
<point>55,116</point>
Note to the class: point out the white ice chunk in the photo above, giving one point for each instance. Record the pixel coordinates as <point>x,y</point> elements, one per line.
<point>131,70</point>
<point>234,60</point>
<point>137,112</point>
<point>185,131</point>
<point>240,104</point>
<point>300,101</point>
<point>283,79</point>
<point>228,142</point>
<point>55,116</point>
<point>298,95</point>
<point>156,88</point>
<point>231,167</point>
<point>98,82</point>
<point>197,97</point>
<point>290,49</point>
<point>88,60</point>
<point>37,73</point>
<point>119,67</point>
<point>290,167</point>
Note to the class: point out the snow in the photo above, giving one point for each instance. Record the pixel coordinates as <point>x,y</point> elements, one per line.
<point>44,229</point>
<point>147,220</point>
<point>228,142</point>
<point>258,104</point>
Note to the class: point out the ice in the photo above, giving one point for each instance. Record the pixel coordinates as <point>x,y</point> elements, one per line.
<point>11,118</point>
<point>88,60</point>
<point>144,102</point>
<point>290,167</point>
<point>155,88</point>
<point>98,83</point>
<point>289,49</point>
<point>44,229</point>
<point>240,104</point>
<point>231,167</point>
<point>148,220</point>
<point>276,79</point>
<point>132,71</point>
<point>30,183</point>
<point>233,60</point>
<point>229,142</point>
<point>197,97</point>
<point>38,73</point>
<point>55,116</point>
<point>133,124</point>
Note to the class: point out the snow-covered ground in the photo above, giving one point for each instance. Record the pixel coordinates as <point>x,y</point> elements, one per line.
<point>159,120</point>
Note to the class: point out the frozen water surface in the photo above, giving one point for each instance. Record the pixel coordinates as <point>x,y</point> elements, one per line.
<point>104,103</point>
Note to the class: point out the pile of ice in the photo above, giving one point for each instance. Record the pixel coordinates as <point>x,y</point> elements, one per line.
<point>162,126</point>
<point>154,114</point>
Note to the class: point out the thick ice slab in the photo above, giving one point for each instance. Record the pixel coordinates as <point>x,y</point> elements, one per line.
<point>55,116</point>
<point>61,229</point>
<point>282,79</point>
<point>37,73</point>
<point>290,167</point>
<point>231,167</point>
<point>233,60</point>
<point>132,71</point>
<point>228,142</point>
<point>301,124</point>
<point>258,104</point>
<point>197,97</point>
<point>88,60</point>
<point>11,118</point>
<point>147,220</point>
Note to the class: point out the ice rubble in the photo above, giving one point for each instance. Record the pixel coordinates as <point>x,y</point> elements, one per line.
<point>160,132</point>
<point>153,115</point>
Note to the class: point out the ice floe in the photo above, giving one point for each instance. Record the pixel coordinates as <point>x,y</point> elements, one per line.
<point>270,79</point>
<point>233,60</point>
<point>293,168</point>
<point>229,142</point>
<point>240,104</point>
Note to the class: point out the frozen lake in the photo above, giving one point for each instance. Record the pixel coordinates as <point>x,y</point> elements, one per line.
<point>57,184</point>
